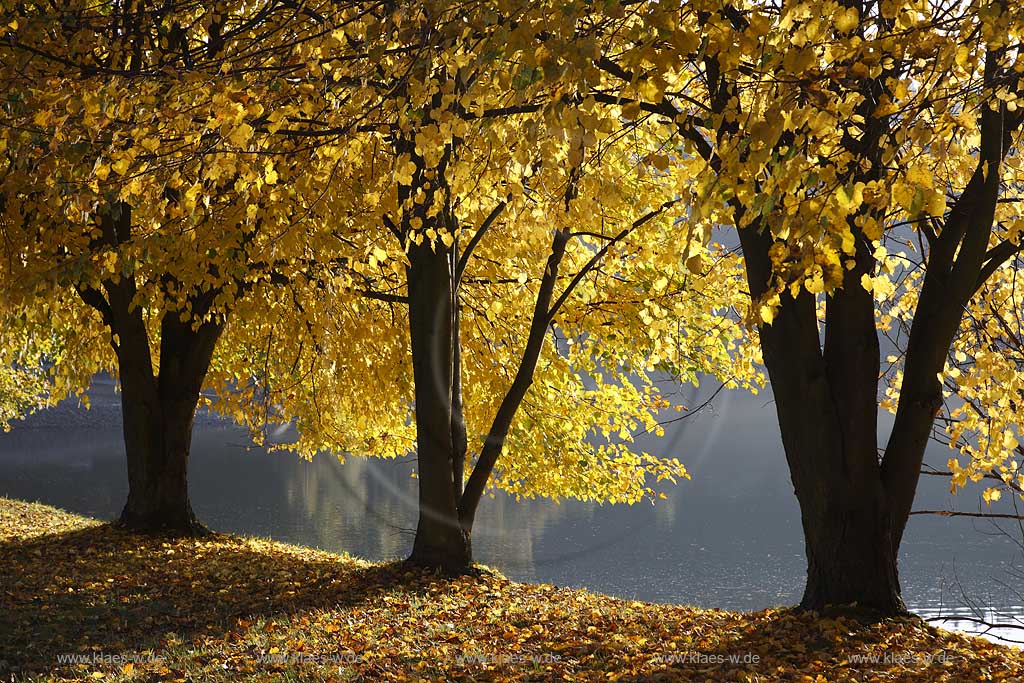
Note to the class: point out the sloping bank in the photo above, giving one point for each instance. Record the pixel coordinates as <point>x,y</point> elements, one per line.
<point>80,600</point>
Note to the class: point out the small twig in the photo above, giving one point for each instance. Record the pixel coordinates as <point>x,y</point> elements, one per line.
<point>989,625</point>
<point>955,513</point>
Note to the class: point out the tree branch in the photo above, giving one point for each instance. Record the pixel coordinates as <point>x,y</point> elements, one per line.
<point>955,513</point>
<point>995,258</point>
<point>495,440</point>
<point>460,268</point>
<point>592,263</point>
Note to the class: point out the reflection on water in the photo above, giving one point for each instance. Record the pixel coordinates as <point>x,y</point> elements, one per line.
<point>730,537</point>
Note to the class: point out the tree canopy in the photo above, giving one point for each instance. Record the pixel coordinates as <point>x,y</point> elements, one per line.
<point>486,232</point>
<point>241,194</point>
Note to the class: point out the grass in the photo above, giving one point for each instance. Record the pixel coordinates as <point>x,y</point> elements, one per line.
<point>81,600</point>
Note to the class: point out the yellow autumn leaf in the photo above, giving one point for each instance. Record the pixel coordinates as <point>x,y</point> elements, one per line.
<point>846,19</point>
<point>121,165</point>
<point>241,135</point>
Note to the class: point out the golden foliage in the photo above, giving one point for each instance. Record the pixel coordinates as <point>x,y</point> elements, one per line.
<point>266,183</point>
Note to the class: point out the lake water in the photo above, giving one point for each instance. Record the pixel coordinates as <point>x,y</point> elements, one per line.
<point>729,537</point>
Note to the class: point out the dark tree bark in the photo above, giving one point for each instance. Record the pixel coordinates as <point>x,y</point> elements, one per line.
<point>157,445</point>
<point>158,417</point>
<point>441,541</point>
<point>158,409</point>
<point>854,501</point>
<point>825,397</point>
<point>447,502</point>
<point>448,497</point>
<point>854,504</point>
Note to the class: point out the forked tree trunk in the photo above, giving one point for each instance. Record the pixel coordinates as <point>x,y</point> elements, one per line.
<point>447,507</point>
<point>826,400</point>
<point>158,413</point>
<point>854,504</point>
<point>847,521</point>
<point>157,409</point>
<point>448,500</point>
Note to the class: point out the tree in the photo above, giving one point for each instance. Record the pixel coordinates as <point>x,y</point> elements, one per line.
<point>132,178</point>
<point>525,235</point>
<point>824,135</point>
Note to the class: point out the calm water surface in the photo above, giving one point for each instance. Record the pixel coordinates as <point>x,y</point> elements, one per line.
<point>729,537</point>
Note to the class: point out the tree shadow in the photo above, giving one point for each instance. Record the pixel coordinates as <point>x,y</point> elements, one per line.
<point>214,607</point>
<point>103,590</point>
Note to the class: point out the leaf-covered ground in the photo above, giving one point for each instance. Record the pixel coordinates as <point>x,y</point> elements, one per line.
<point>80,600</point>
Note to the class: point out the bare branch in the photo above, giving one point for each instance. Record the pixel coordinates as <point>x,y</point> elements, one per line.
<point>955,513</point>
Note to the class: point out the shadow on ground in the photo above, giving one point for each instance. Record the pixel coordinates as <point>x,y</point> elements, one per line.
<point>220,609</point>
<point>100,589</point>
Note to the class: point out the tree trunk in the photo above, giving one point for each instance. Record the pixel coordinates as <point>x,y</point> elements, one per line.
<point>157,439</point>
<point>441,541</point>
<point>447,508</point>
<point>855,505</point>
<point>826,400</point>
<point>158,416</point>
<point>157,410</point>
<point>851,558</point>
<point>845,512</point>
<point>846,517</point>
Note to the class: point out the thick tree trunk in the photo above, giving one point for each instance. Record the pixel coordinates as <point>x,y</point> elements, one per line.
<point>826,400</point>
<point>847,521</point>
<point>158,410</point>
<point>157,440</point>
<point>851,558</point>
<point>854,504</point>
<point>158,416</point>
<point>441,541</point>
